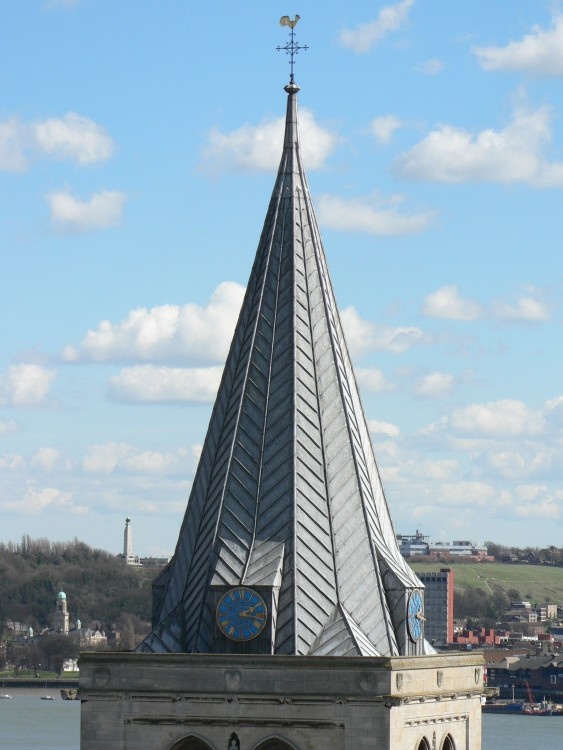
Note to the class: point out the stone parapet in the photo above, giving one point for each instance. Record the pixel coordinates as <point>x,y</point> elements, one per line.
<point>157,701</point>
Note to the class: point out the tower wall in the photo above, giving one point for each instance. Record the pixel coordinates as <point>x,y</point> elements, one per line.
<point>61,617</point>
<point>157,700</point>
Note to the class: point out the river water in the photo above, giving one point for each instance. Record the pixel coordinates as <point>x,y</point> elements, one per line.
<point>29,723</point>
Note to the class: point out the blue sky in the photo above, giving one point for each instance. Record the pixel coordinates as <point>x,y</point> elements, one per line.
<point>138,148</point>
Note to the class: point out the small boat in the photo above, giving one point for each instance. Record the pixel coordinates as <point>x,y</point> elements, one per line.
<point>503,707</point>
<point>5,695</point>
<point>48,698</point>
<point>545,708</point>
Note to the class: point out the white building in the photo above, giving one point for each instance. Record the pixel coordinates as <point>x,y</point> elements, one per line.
<point>128,556</point>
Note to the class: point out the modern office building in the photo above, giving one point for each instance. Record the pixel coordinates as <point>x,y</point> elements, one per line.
<point>438,605</point>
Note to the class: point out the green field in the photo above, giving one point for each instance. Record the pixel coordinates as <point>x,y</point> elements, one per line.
<point>536,583</point>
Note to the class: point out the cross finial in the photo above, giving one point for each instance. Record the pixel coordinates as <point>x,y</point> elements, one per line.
<point>292,47</point>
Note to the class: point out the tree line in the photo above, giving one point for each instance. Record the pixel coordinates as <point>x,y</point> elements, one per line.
<point>479,607</point>
<point>100,588</point>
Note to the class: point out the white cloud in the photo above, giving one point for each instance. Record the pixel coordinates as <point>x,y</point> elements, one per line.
<point>522,463</point>
<point>504,418</point>
<point>370,215</point>
<point>495,503</point>
<point>384,127</point>
<point>258,147</point>
<point>46,459</point>
<point>36,501</point>
<point>9,427</point>
<point>69,214</point>
<point>429,470</point>
<point>435,385</point>
<point>148,384</point>
<point>11,462</point>
<point>547,507</point>
<point>73,137</point>
<point>467,493</point>
<point>111,458</point>
<point>515,154</point>
<point>12,158</point>
<point>446,303</point>
<point>529,492</point>
<point>553,411</point>
<point>431,67</point>
<point>363,335</point>
<point>525,309</point>
<point>25,385</point>
<point>166,333</point>
<point>372,379</point>
<point>366,35</point>
<point>383,428</point>
<point>538,53</point>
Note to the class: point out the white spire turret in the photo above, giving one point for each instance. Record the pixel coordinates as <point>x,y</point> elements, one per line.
<point>128,540</point>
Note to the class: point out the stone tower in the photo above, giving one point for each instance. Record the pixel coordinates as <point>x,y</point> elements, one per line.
<point>287,618</point>
<point>128,556</point>
<point>127,540</point>
<point>61,615</point>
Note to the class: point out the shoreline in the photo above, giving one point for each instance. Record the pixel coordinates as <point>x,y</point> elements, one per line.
<point>30,692</point>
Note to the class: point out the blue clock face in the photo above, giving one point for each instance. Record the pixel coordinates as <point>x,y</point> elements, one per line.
<point>241,614</point>
<point>415,615</point>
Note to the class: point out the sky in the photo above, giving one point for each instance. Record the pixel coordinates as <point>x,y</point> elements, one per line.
<point>139,143</point>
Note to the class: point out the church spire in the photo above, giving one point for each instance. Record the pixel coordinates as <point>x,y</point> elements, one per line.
<point>287,544</point>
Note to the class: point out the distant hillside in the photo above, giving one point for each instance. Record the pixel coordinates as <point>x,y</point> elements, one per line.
<point>99,587</point>
<point>535,583</point>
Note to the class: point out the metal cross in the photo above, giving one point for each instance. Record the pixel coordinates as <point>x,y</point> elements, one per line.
<point>292,47</point>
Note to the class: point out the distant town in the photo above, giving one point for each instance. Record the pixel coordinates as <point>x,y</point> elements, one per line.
<point>522,638</point>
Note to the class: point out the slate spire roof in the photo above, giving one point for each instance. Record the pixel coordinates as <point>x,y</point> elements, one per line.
<point>287,498</point>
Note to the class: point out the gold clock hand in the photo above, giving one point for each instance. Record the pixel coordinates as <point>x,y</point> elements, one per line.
<point>255,615</point>
<point>250,609</point>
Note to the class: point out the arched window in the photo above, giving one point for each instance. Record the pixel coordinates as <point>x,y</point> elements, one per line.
<point>423,744</point>
<point>275,743</point>
<point>191,743</point>
<point>448,743</point>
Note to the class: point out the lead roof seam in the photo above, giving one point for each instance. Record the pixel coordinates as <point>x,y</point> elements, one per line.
<point>266,405</point>
<point>291,145</point>
<point>215,441</point>
<point>238,410</point>
<point>326,301</point>
<point>372,466</point>
<point>302,198</point>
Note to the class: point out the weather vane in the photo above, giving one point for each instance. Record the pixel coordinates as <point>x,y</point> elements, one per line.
<point>292,47</point>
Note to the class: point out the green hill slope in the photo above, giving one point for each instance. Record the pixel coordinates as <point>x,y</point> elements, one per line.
<point>535,583</point>
<point>99,587</point>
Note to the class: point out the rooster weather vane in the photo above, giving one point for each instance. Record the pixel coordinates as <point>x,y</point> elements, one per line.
<point>292,47</point>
